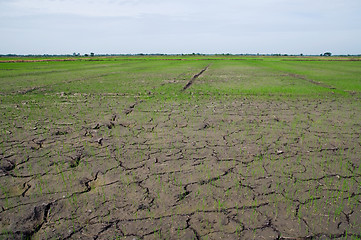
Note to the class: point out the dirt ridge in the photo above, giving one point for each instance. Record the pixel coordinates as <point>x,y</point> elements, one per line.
<point>195,77</point>
<point>312,81</point>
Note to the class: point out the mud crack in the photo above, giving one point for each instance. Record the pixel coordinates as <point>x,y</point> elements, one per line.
<point>33,223</point>
<point>130,108</point>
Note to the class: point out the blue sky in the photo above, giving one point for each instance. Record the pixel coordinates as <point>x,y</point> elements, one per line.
<point>180,26</point>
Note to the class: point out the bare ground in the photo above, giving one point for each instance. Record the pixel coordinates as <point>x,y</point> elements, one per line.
<point>210,169</point>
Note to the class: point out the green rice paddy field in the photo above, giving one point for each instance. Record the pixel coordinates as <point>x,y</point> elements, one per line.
<point>172,147</point>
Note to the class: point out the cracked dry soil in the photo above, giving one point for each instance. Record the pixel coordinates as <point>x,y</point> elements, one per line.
<point>243,169</point>
<point>240,168</point>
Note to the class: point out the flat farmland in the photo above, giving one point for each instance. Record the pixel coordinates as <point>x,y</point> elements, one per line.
<point>181,148</point>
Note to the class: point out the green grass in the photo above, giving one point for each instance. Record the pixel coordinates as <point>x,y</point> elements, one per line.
<point>245,76</point>
<point>343,75</point>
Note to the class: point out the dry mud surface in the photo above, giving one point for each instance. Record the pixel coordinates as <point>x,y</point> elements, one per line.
<point>244,168</point>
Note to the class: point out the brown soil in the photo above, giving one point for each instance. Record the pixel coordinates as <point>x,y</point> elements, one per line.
<point>194,78</point>
<point>230,169</point>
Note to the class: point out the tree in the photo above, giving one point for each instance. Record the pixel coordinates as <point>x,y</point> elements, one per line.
<point>92,54</point>
<point>327,54</point>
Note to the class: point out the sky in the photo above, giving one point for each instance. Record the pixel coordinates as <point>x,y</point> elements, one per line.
<point>180,26</point>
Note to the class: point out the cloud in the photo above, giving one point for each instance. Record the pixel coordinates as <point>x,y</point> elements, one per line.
<point>163,25</point>
<point>115,8</point>
<point>233,11</point>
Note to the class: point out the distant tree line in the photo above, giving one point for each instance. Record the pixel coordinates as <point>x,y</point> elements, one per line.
<point>327,54</point>
<point>85,55</point>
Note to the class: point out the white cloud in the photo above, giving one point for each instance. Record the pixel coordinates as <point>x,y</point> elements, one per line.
<point>230,10</point>
<point>115,8</point>
<point>153,25</point>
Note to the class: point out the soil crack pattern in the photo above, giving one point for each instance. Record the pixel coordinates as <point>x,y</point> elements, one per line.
<point>178,166</point>
<point>195,77</point>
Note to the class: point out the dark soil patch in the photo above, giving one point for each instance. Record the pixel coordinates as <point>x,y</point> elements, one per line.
<point>195,77</point>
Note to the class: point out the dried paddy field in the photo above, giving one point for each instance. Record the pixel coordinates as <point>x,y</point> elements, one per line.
<point>209,148</point>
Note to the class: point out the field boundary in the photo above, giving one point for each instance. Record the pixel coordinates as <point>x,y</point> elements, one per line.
<point>311,81</point>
